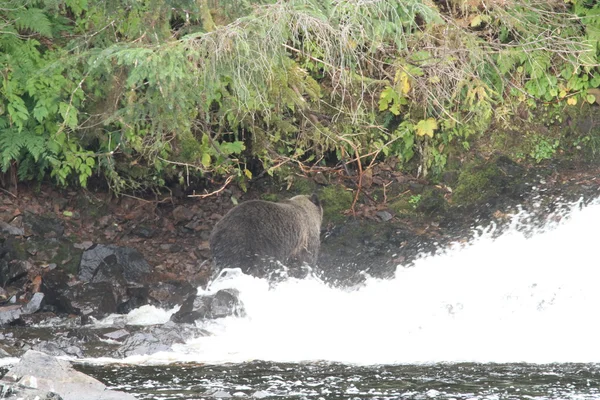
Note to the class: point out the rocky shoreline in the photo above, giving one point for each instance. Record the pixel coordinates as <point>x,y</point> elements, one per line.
<point>68,259</point>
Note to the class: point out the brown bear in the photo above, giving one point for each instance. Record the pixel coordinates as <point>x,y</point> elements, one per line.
<point>257,234</point>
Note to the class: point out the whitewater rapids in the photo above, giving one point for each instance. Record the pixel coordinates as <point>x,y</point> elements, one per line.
<point>526,295</point>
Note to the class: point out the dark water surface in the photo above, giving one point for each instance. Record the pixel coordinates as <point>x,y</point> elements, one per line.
<point>263,380</point>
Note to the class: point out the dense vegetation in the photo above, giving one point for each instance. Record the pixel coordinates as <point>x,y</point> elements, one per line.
<point>140,93</point>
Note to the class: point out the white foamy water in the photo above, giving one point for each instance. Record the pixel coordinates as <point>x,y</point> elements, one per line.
<point>517,298</point>
<point>144,315</point>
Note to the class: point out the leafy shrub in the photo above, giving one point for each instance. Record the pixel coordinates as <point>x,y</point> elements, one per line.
<point>144,92</point>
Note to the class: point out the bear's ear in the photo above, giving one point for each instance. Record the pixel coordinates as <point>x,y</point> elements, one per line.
<point>315,199</point>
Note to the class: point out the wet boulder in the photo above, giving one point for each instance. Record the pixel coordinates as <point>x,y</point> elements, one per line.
<point>58,251</point>
<point>13,260</point>
<point>169,294</point>
<point>484,182</point>
<point>41,376</point>
<point>106,293</point>
<point>9,314</point>
<point>152,339</point>
<point>224,303</point>
<point>59,347</point>
<point>56,284</point>
<point>46,226</point>
<point>129,262</point>
<point>13,313</point>
<point>96,300</point>
<point>11,229</point>
<point>135,296</point>
<point>34,304</point>
<point>12,271</point>
<point>111,271</point>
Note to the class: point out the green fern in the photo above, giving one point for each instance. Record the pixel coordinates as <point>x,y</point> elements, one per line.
<point>34,20</point>
<point>14,143</point>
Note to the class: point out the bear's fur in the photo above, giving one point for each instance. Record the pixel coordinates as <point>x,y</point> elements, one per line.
<point>255,234</point>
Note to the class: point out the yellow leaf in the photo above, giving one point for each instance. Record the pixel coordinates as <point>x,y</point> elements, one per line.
<point>248,173</point>
<point>572,101</point>
<point>403,81</point>
<point>206,160</point>
<point>426,127</point>
<point>475,22</point>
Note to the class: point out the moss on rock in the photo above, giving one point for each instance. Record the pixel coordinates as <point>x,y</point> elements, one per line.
<point>478,183</point>
<point>402,206</point>
<point>301,185</point>
<point>336,199</point>
<point>432,202</point>
<point>269,197</point>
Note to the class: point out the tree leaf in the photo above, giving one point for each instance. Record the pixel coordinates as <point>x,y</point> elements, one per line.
<point>69,114</point>
<point>404,82</point>
<point>426,127</point>
<point>475,22</point>
<point>232,147</point>
<point>40,112</point>
<point>590,98</point>
<point>206,160</point>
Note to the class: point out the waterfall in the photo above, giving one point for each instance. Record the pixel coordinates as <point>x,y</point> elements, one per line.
<point>524,295</point>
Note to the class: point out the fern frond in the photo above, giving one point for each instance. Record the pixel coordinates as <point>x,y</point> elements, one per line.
<point>9,38</point>
<point>14,145</point>
<point>10,143</point>
<point>33,19</point>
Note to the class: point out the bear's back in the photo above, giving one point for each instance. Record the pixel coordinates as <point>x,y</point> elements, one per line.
<point>256,232</point>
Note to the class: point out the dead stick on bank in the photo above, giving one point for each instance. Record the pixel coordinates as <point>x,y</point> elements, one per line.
<point>203,196</point>
<point>7,192</point>
<point>360,172</point>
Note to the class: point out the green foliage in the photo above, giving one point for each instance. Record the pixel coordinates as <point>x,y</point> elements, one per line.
<point>543,148</point>
<point>414,200</point>
<point>141,92</point>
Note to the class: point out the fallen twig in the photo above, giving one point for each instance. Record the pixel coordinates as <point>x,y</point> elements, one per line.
<point>203,196</point>
<point>10,193</point>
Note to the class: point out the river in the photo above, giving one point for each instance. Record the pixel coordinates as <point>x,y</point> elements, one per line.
<point>512,314</point>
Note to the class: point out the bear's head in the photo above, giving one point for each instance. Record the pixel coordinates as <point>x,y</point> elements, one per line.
<point>310,204</point>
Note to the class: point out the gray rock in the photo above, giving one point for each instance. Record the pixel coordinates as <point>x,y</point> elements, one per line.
<point>12,270</point>
<point>43,225</point>
<point>23,393</point>
<point>171,293</point>
<point>83,245</point>
<point>34,304</point>
<point>93,300</point>
<point>152,339</point>
<point>49,377</point>
<point>116,335</point>
<point>58,348</point>
<point>144,231</point>
<point>56,287</point>
<point>224,303</point>
<point>384,215</point>
<point>182,214</point>
<point>129,261</point>
<point>9,314</point>
<point>10,229</point>
<point>135,297</point>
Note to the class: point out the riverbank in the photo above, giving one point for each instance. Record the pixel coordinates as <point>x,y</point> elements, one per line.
<point>56,248</point>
